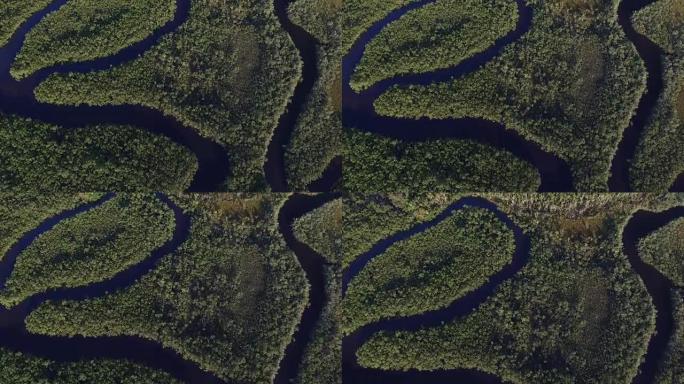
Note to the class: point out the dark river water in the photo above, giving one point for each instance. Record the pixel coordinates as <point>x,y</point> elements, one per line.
<point>658,286</point>
<point>359,113</point>
<point>555,173</point>
<point>354,373</point>
<point>314,267</point>
<point>652,56</point>
<point>17,98</point>
<point>14,336</point>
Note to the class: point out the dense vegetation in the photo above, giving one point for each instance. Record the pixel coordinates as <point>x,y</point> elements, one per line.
<point>87,29</point>
<point>369,218</point>
<point>321,229</point>
<point>671,368</point>
<point>664,249</point>
<point>46,158</point>
<point>90,247</point>
<point>317,137</point>
<point>570,84</point>
<point>17,368</point>
<point>429,270</point>
<point>14,12</point>
<point>575,313</point>
<point>659,159</point>
<point>438,35</point>
<point>376,164</point>
<point>228,72</point>
<point>361,14</point>
<point>22,212</point>
<point>229,298</point>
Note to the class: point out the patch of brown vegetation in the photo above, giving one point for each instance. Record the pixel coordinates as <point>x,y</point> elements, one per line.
<point>679,103</point>
<point>676,11</point>
<point>235,206</point>
<point>335,92</point>
<point>590,226</point>
<point>591,70</point>
<point>579,5</point>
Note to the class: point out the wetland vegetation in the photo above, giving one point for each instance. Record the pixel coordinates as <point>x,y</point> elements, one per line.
<point>575,312</point>
<point>321,229</point>
<point>317,138</point>
<point>87,29</point>
<point>377,164</point>
<point>435,36</point>
<point>43,157</point>
<point>569,84</point>
<point>658,159</point>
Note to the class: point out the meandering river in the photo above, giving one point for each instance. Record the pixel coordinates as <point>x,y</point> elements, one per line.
<point>17,98</point>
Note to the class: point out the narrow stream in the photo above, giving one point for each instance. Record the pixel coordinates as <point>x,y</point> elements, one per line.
<point>313,265</point>
<point>359,113</point>
<point>659,287</point>
<point>15,337</point>
<point>17,98</point>
<point>652,56</point>
<point>354,373</point>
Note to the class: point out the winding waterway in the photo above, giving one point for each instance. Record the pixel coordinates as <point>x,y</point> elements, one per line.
<point>354,373</point>
<point>313,265</point>
<point>15,337</point>
<point>555,173</point>
<point>17,98</point>
<point>359,113</point>
<point>652,56</point>
<point>659,287</point>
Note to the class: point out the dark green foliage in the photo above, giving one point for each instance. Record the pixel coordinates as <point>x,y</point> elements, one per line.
<point>361,14</point>
<point>438,35</point>
<point>21,212</point>
<point>228,72</point>
<point>87,29</point>
<point>45,158</point>
<point>570,84</point>
<point>317,137</point>
<point>664,249</point>
<point>375,164</point>
<point>322,362</point>
<point>17,368</point>
<point>429,270</point>
<point>371,218</point>
<point>14,12</point>
<point>575,313</point>
<point>659,158</point>
<point>671,370</point>
<point>229,298</point>
<point>662,22</point>
<point>90,247</point>
<point>322,230</point>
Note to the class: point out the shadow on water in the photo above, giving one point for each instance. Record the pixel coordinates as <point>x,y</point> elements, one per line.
<point>652,55</point>
<point>331,179</point>
<point>15,337</point>
<point>313,265</point>
<point>17,98</point>
<point>678,185</point>
<point>659,287</point>
<point>354,373</point>
<point>359,113</point>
